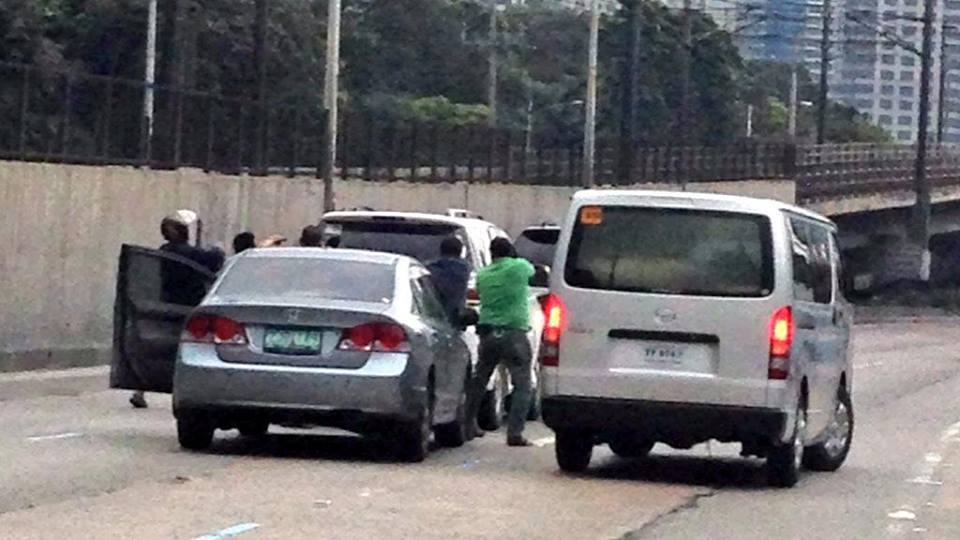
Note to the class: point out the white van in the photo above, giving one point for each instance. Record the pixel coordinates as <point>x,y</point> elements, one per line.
<point>681,317</point>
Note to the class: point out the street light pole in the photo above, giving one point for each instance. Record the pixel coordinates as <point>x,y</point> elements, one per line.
<point>590,121</point>
<point>331,97</point>
<point>794,84</point>
<point>493,75</point>
<point>149,76</point>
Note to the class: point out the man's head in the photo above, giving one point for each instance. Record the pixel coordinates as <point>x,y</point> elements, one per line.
<point>451,247</point>
<point>312,236</point>
<point>243,242</point>
<point>501,248</point>
<point>175,228</point>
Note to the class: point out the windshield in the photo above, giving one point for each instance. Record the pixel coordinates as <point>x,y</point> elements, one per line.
<point>684,252</point>
<point>298,277</point>
<point>420,241</point>
<point>538,245</point>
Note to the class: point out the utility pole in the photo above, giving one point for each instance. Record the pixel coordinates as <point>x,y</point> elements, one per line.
<point>590,120</point>
<point>794,83</point>
<point>631,94</point>
<point>921,216</point>
<point>331,95</point>
<point>260,59</point>
<point>749,121</point>
<point>687,56</point>
<point>824,72</point>
<point>944,72</point>
<point>492,77</point>
<point>149,77</point>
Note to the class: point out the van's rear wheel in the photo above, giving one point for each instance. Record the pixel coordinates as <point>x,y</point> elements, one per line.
<point>573,450</point>
<point>830,454</point>
<point>194,431</point>
<point>785,460</point>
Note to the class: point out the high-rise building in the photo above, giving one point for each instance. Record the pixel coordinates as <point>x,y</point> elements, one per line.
<point>876,62</point>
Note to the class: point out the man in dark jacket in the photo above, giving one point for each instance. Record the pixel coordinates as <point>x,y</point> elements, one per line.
<point>450,277</point>
<point>180,284</point>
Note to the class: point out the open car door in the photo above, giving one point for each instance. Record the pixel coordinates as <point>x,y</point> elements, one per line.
<point>156,291</point>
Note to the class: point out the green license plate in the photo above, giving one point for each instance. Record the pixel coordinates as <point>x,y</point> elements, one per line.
<point>281,341</point>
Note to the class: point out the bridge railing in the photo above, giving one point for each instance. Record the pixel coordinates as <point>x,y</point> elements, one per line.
<point>68,117</point>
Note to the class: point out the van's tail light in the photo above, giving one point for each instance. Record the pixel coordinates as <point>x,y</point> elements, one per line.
<point>375,337</point>
<point>781,340</point>
<point>555,322</point>
<point>214,329</point>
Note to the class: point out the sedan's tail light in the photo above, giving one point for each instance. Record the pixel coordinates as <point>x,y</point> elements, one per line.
<point>214,329</point>
<point>473,297</point>
<point>555,322</point>
<point>375,337</point>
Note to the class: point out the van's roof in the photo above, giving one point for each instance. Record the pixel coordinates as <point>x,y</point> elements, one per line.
<point>725,202</point>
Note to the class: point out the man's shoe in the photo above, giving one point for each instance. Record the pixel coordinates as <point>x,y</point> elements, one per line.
<point>138,401</point>
<point>519,441</point>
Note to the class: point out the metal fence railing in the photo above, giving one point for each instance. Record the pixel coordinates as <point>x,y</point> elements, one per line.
<point>63,116</point>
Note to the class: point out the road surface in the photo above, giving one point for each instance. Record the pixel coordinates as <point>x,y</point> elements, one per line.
<point>78,462</point>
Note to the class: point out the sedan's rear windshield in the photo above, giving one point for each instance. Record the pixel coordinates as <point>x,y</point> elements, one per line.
<point>308,278</point>
<point>420,241</point>
<point>667,251</point>
<point>538,245</point>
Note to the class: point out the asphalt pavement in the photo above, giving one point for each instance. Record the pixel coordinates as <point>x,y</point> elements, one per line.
<point>78,462</point>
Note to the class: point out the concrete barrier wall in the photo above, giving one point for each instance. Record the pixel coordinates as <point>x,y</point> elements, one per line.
<point>63,226</point>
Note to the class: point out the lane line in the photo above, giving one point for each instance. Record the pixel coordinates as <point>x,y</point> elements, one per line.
<point>44,375</point>
<point>58,436</point>
<point>233,530</point>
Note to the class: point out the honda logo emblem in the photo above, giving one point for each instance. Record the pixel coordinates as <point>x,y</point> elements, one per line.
<point>293,315</point>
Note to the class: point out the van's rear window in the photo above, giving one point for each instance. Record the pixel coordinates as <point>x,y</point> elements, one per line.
<point>671,251</point>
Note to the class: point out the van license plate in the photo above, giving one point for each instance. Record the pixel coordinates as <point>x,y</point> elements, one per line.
<point>296,342</point>
<point>663,356</point>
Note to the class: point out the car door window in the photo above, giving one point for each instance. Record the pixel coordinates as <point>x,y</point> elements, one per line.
<point>432,307</point>
<point>813,279</point>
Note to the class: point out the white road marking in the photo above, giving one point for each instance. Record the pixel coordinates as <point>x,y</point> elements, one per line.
<point>54,374</point>
<point>545,441</point>
<point>69,435</point>
<point>928,468</point>
<point>234,530</point>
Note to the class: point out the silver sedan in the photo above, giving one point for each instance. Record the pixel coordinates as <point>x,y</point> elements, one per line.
<point>350,339</point>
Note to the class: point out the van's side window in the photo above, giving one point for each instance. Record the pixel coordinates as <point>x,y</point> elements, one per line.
<point>812,270</point>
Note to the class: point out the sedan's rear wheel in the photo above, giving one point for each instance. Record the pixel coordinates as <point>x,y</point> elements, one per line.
<point>628,447</point>
<point>254,429</point>
<point>194,431</point>
<point>830,454</point>
<point>413,438</point>
<point>454,434</point>
<point>573,450</point>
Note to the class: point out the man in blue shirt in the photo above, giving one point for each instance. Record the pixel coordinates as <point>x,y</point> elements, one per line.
<point>451,275</point>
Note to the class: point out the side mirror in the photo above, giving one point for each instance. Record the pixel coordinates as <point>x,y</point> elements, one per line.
<point>541,277</point>
<point>468,317</point>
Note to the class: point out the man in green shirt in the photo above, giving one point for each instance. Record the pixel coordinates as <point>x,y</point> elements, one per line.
<point>504,322</point>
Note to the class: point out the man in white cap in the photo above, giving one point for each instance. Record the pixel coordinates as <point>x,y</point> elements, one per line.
<point>180,285</point>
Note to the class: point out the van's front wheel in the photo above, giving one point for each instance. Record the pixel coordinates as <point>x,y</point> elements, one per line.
<point>574,450</point>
